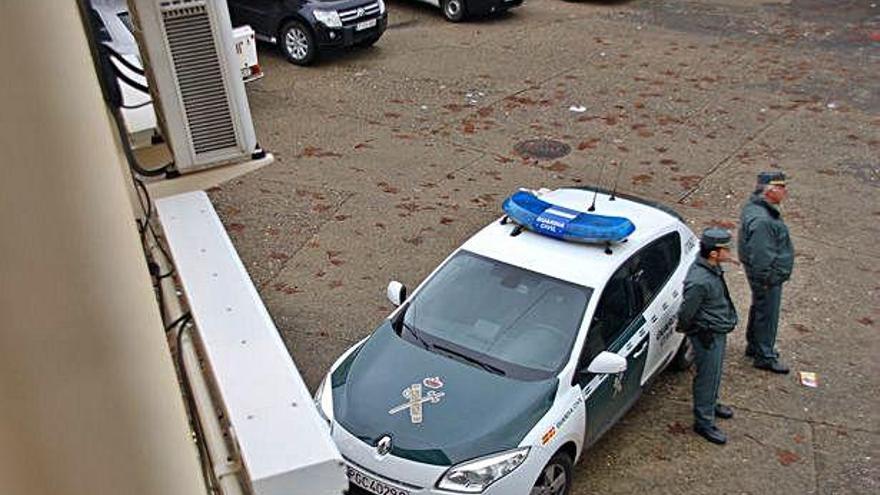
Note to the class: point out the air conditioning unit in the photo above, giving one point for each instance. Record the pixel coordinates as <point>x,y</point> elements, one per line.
<point>189,53</point>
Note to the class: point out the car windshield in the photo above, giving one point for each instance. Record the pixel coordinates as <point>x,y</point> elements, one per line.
<point>505,319</point>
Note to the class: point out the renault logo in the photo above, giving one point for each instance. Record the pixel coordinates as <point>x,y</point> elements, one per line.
<point>361,12</point>
<point>383,446</point>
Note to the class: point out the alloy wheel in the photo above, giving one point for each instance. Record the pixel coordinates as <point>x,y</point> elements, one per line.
<point>551,482</point>
<point>453,8</point>
<point>297,43</point>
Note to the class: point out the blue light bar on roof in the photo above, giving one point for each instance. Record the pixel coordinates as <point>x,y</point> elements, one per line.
<point>544,218</point>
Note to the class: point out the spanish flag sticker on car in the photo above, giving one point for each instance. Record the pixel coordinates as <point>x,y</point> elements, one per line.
<point>548,435</point>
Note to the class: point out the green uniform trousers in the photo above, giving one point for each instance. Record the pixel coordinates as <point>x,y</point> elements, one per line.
<point>764,323</point>
<point>709,363</point>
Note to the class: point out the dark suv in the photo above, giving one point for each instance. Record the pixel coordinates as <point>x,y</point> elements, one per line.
<point>302,28</point>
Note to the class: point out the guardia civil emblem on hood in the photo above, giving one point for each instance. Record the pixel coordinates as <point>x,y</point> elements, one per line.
<point>415,398</point>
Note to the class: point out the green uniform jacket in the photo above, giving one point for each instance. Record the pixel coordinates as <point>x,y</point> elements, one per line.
<point>764,245</point>
<point>706,304</point>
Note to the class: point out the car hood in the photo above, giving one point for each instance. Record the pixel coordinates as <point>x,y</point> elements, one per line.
<point>341,4</point>
<point>474,413</point>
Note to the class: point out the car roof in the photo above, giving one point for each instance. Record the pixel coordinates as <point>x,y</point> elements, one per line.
<point>579,263</point>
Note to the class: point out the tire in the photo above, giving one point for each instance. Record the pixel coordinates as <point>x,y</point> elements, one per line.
<point>368,42</point>
<point>454,10</point>
<point>684,356</point>
<point>555,478</point>
<point>297,43</point>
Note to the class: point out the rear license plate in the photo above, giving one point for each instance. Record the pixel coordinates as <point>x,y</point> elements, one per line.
<point>365,25</point>
<point>372,485</point>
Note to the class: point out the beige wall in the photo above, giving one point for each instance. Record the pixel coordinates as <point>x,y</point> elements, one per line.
<point>89,402</point>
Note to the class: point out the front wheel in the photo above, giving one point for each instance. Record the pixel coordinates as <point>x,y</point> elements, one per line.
<point>454,10</point>
<point>555,478</point>
<point>684,357</point>
<point>298,43</point>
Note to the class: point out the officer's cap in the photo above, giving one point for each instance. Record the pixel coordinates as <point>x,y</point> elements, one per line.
<point>771,178</point>
<point>715,237</point>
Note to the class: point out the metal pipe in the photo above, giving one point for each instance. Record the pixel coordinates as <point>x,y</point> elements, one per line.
<point>226,468</point>
<point>223,460</point>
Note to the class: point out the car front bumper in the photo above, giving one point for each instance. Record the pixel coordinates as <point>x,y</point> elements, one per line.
<point>348,35</point>
<point>417,478</point>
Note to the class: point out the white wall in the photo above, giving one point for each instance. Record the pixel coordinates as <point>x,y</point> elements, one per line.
<point>89,402</point>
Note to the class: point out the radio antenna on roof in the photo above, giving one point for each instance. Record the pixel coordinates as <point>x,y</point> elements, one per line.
<point>616,180</point>
<point>596,189</point>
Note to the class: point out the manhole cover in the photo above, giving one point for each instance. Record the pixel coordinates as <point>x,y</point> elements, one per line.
<point>542,149</point>
<point>865,172</point>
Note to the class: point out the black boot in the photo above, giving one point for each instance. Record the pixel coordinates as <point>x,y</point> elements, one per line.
<point>772,366</point>
<point>712,434</point>
<point>723,412</point>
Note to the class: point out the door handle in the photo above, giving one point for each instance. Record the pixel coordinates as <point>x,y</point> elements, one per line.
<point>654,319</point>
<point>640,351</point>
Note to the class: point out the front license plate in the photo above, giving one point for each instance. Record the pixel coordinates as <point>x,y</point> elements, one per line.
<point>365,25</point>
<point>372,485</point>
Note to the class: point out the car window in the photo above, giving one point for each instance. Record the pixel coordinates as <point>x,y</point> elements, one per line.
<point>518,321</point>
<point>628,293</point>
<point>652,267</point>
<point>612,316</point>
<point>615,308</point>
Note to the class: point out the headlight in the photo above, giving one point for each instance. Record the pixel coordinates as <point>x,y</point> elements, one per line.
<point>328,17</point>
<point>324,401</point>
<point>381,6</point>
<point>475,476</point>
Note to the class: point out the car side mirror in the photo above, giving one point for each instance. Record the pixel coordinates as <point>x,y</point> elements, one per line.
<point>607,363</point>
<point>396,292</point>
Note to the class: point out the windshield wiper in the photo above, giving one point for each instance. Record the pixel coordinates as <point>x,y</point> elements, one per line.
<point>486,366</point>
<point>415,334</point>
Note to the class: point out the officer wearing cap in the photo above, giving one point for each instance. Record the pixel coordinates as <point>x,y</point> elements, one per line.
<point>767,255</point>
<point>707,315</point>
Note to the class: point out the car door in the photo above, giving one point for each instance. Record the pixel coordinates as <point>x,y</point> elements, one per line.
<point>258,14</point>
<point>659,296</point>
<point>616,327</point>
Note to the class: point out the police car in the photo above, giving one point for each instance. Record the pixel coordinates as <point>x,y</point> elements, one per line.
<point>518,352</point>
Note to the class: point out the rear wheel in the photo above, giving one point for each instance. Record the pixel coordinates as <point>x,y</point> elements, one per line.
<point>297,43</point>
<point>684,357</point>
<point>555,478</point>
<point>454,10</point>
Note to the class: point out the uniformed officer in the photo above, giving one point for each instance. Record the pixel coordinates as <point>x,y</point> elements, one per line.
<point>767,255</point>
<point>707,315</point>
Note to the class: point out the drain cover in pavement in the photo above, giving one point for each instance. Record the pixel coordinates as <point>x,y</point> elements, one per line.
<point>542,149</point>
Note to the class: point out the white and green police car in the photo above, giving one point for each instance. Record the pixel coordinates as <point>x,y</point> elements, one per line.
<point>518,352</point>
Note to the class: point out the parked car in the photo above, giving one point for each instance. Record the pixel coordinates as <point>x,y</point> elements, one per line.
<point>302,29</point>
<point>459,10</point>
<point>518,352</point>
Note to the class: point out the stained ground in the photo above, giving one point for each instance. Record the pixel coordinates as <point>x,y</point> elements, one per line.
<point>389,158</point>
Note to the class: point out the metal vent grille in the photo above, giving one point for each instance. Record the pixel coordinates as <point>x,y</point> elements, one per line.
<point>199,76</point>
<point>359,14</point>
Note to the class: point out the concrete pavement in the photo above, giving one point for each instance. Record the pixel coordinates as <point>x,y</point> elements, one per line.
<point>388,158</point>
